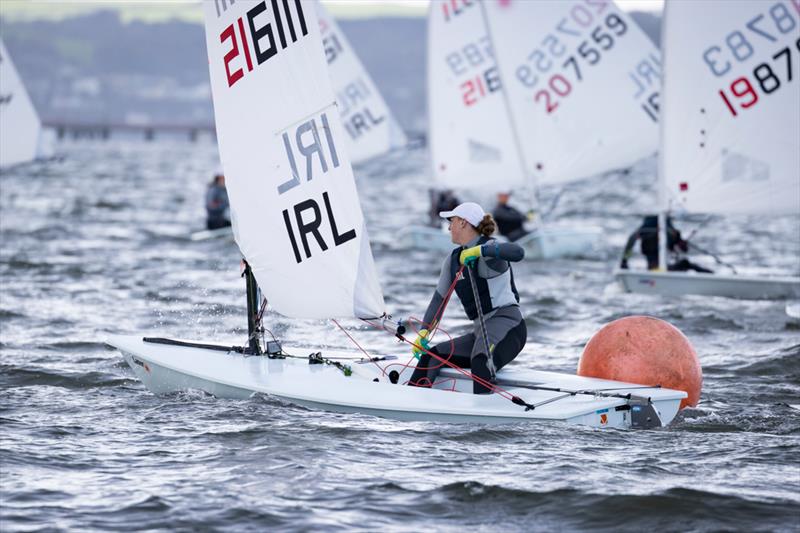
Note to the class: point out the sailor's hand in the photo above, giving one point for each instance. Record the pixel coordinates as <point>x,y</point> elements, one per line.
<point>419,343</point>
<point>624,264</point>
<point>470,256</point>
<point>531,215</point>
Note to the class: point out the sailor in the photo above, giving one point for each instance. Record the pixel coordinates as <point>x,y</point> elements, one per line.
<point>510,221</point>
<point>217,207</point>
<point>443,200</point>
<point>470,229</point>
<point>648,233</point>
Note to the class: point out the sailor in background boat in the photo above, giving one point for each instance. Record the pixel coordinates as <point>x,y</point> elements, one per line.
<point>217,206</point>
<point>510,221</point>
<point>443,200</point>
<point>648,233</point>
<point>471,229</point>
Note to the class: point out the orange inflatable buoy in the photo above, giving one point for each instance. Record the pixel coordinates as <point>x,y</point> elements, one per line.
<point>646,350</point>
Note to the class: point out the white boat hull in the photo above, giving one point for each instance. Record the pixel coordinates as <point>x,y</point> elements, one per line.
<point>212,234</point>
<point>167,368</point>
<point>731,286</point>
<point>547,242</point>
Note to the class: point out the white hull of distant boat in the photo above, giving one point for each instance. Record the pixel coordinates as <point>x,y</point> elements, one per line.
<point>731,286</point>
<point>548,242</point>
<point>212,234</point>
<point>168,368</point>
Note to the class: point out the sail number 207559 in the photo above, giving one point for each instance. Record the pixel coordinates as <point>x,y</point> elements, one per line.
<point>578,43</point>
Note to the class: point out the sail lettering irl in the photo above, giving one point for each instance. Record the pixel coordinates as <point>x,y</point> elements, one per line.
<point>260,35</point>
<point>310,225</point>
<point>354,108</point>
<point>306,149</point>
<point>371,128</point>
<point>454,8</point>
<point>646,77</point>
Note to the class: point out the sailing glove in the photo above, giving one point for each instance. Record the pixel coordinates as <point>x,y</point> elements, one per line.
<point>420,342</point>
<point>470,256</point>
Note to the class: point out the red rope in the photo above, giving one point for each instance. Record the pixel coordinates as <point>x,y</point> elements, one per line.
<point>440,311</point>
<point>359,346</point>
<point>489,385</point>
<point>436,319</point>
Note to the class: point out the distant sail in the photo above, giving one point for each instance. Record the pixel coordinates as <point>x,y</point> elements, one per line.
<point>582,82</point>
<point>294,205</point>
<point>470,137</point>
<point>20,127</point>
<point>731,137</point>
<point>371,128</point>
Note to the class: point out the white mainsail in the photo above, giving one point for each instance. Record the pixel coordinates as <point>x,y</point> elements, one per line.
<point>582,81</point>
<point>294,204</point>
<point>20,127</point>
<point>471,141</point>
<point>731,131</point>
<point>371,128</point>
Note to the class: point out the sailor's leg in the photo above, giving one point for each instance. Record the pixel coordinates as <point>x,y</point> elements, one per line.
<point>698,268</point>
<point>684,264</point>
<point>510,346</point>
<point>679,266</point>
<point>516,234</point>
<point>507,334</point>
<point>456,352</point>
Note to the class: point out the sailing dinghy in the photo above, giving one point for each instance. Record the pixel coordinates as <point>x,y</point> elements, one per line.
<point>371,127</point>
<point>475,143</point>
<point>299,225</point>
<point>20,127</point>
<point>581,81</point>
<point>730,131</point>
<point>212,234</point>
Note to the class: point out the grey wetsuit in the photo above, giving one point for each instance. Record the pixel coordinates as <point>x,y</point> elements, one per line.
<point>498,298</point>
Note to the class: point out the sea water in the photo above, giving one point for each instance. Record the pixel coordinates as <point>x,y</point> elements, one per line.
<point>98,243</point>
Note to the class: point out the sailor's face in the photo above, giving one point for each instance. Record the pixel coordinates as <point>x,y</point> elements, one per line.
<point>456,229</point>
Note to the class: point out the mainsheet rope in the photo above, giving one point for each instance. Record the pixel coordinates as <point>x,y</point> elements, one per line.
<point>442,361</point>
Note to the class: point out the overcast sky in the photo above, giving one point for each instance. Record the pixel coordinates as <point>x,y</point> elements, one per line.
<point>155,10</point>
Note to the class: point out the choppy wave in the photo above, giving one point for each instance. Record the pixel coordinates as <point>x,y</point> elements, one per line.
<point>107,249</point>
<point>13,376</point>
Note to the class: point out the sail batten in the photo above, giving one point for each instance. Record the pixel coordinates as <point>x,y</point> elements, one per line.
<point>294,204</point>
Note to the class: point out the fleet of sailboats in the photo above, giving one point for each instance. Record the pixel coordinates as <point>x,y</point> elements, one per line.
<point>299,225</point>
<point>730,130</point>
<point>525,94</point>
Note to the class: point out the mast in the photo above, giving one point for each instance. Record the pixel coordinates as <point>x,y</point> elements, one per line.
<point>529,177</point>
<point>253,319</point>
<point>661,200</point>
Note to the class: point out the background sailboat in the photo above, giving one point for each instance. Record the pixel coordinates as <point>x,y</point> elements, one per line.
<point>370,125</point>
<point>581,79</point>
<point>20,127</point>
<point>731,130</point>
<point>298,223</point>
<point>533,47</point>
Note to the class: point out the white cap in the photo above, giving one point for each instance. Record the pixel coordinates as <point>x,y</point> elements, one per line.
<point>469,211</point>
